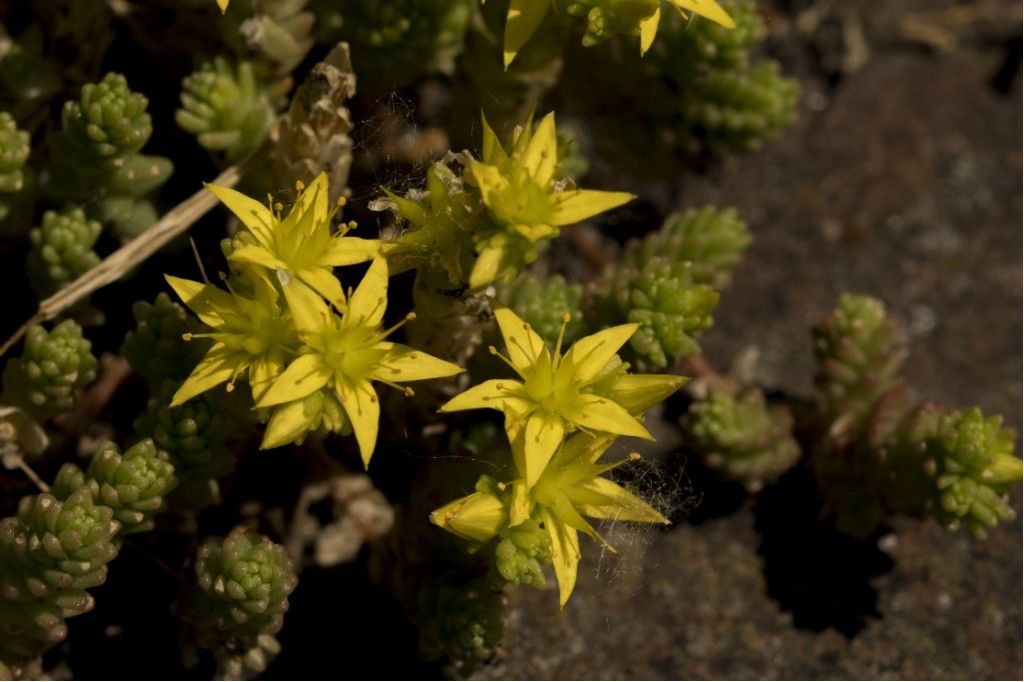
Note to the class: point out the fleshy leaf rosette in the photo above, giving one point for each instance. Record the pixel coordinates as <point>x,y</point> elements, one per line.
<point>238,599</point>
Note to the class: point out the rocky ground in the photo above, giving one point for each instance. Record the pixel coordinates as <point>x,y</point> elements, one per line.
<point>902,180</point>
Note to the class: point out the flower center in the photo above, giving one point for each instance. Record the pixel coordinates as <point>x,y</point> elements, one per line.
<point>351,352</point>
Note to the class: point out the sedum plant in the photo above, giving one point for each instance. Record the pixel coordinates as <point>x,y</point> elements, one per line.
<point>712,240</point>
<point>134,484</point>
<point>470,289</point>
<point>670,308</point>
<point>51,554</point>
<point>701,93</point>
<point>873,452</point>
<point>226,108</point>
<point>53,367</point>
<point>878,455</point>
<point>14,151</point>
<point>397,41</point>
<point>62,250</point>
<point>741,436</point>
<point>237,600</point>
<point>59,543</point>
<point>668,284</point>
<point>604,18</point>
<point>192,435</point>
<point>96,157</point>
<point>154,348</point>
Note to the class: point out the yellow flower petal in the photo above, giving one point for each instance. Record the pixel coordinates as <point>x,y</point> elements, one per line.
<point>223,4</point>
<point>263,372</point>
<point>404,363</point>
<point>315,198</point>
<point>582,448</point>
<point>524,16</point>
<point>521,136</point>
<point>305,375</point>
<point>489,263</point>
<point>488,179</point>
<point>567,514</point>
<point>600,414</point>
<point>649,29</point>
<point>569,208</point>
<point>637,392</point>
<point>565,554</point>
<point>287,423</point>
<point>479,516</point>
<point>603,499</point>
<point>219,365</point>
<point>367,303</point>
<point>520,505</point>
<point>309,312</point>
<point>708,9</point>
<point>541,155</point>
<point>350,251</point>
<point>411,210</point>
<point>257,255</point>
<point>254,215</point>
<point>542,436</point>
<point>493,153</point>
<point>213,306</point>
<point>308,216</point>
<point>589,355</point>
<point>496,394</point>
<point>524,345</point>
<point>323,282</point>
<point>363,409</point>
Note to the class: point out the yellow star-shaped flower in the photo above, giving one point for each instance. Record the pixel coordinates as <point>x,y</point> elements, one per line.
<point>301,243</point>
<point>558,393</point>
<point>517,187</point>
<point>348,353</point>
<point>251,334</point>
<point>570,488</point>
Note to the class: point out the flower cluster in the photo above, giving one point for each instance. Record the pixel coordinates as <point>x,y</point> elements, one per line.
<point>605,17</point>
<point>486,224</point>
<point>561,414</point>
<point>298,333</point>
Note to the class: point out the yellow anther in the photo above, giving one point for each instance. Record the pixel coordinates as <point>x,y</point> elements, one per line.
<point>299,185</point>
<point>187,336</point>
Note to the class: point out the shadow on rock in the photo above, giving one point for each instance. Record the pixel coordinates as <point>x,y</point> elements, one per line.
<point>696,492</point>
<point>821,576</point>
